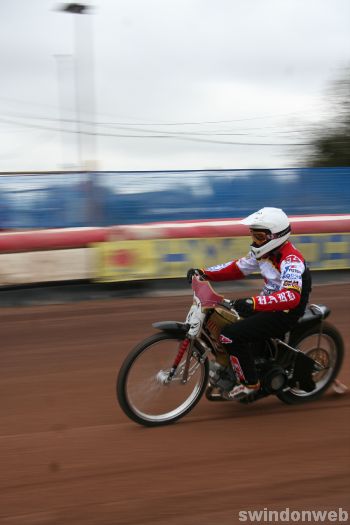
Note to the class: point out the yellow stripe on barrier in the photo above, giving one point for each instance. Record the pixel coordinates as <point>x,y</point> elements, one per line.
<point>170,258</point>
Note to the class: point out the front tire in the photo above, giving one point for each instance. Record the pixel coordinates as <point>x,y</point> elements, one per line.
<point>142,391</point>
<point>330,354</point>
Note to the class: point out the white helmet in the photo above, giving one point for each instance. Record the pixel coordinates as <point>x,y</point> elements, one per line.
<point>275,223</point>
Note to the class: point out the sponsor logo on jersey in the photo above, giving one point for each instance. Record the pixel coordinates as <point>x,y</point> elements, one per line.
<point>296,285</point>
<point>293,259</point>
<point>291,276</point>
<point>292,268</point>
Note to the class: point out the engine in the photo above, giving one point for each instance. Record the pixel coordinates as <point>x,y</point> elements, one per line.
<point>273,379</point>
<point>222,377</point>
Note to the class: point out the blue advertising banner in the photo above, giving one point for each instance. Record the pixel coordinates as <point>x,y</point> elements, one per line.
<point>44,200</point>
<point>58,200</point>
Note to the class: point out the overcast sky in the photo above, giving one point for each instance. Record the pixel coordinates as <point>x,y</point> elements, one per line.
<point>170,84</point>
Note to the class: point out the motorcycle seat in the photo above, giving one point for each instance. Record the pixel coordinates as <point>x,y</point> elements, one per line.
<point>314,311</point>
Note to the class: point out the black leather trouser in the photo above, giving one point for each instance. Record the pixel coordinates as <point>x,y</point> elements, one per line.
<point>254,329</point>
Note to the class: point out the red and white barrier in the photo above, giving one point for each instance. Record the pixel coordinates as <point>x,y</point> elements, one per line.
<point>66,254</point>
<point>25,241</point>
<point>224,228</point>
<point>32,240</point>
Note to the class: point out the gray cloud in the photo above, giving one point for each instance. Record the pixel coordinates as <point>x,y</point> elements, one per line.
<point>169,61</point>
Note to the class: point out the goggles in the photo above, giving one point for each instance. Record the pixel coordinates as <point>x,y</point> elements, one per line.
<point>260,236</point>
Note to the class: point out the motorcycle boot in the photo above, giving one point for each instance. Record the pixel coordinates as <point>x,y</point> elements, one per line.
<point>243,391</point>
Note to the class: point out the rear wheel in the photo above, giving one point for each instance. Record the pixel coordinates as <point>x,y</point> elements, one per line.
<point>142,390</point>
<point>328,352</point>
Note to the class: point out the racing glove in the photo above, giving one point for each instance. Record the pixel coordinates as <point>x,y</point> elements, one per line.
<point>195,271</point>
<point>244,307</point>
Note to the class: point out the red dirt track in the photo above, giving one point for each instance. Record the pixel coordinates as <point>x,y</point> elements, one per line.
<point>70,456</point>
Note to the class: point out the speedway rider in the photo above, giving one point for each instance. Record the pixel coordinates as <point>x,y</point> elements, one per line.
<point>280,304</point>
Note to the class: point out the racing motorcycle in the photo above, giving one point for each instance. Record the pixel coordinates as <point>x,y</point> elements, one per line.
<point>165,375</point>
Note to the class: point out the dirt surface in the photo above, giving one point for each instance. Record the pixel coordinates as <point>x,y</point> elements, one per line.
<point>70,456</point>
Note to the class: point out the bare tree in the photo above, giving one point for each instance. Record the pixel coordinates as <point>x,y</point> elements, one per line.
<point>330,145</point>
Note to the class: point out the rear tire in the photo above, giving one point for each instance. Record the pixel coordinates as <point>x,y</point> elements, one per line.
<point>141,390</point>
<point>330,353</point>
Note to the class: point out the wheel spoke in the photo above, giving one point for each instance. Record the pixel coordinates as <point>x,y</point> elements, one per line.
<point>148,392</point>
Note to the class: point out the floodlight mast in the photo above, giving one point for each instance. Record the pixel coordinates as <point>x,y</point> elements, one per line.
<point>84,85</point>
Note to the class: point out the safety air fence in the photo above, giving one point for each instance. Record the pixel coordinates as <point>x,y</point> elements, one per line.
<point>153,225</point>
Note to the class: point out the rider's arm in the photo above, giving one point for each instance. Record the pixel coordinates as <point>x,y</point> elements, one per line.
<point>288,297</point>
<point>284,299</point>
<point>232,270</point>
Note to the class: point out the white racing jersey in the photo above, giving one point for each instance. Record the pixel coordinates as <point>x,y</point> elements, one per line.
<point>286,277</point>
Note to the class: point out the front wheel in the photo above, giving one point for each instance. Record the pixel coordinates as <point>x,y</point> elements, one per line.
<point>328,350</point>
<point>143,392</point>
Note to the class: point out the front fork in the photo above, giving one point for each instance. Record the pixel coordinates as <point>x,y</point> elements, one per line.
<point>186,345</point>
<point>183,347</point>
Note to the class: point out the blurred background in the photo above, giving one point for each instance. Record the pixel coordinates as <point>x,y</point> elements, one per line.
<point>118,115</point>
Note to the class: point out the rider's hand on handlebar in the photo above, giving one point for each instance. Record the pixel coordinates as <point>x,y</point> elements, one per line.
<point>194,271</point>
<point>244,307</point>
